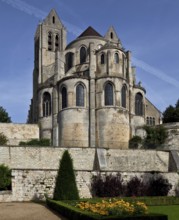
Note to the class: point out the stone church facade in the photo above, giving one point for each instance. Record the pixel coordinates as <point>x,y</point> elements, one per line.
<point>85,93</point>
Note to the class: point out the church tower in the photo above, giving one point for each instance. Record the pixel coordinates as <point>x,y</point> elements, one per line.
<point>49,41</point>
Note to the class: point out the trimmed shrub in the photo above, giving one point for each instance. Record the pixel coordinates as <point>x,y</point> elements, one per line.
<point>158,186</point>
<point>36,142</point>
<point>107,186</point>
<point>66,188</point>
<point>135,142</point>
<point>5,177</point>
<point>3,139</point>
<point>135,187</point>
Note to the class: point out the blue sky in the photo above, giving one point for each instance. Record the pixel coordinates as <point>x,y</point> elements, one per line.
<point>148,28</point>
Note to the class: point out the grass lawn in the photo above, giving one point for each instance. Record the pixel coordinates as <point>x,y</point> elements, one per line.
<point>171,210</point>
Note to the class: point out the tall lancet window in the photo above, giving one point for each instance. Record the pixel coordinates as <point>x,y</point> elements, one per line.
<point>46,104</point>
<point>64,97</point>
<point>139,104</point>
<point>83,55</point>
<point>123,96</point>
<point>116,58</point>
<point>56,42</point>
<point>102,58</point>
<point>108,94</point>
<point>49,41</point>
<point>80,95</point>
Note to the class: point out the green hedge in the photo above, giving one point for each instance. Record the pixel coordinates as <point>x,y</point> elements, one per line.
<point>36,142</point>
<point>73,213</point>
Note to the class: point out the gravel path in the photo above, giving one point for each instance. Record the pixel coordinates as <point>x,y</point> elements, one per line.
<point>27,211</point>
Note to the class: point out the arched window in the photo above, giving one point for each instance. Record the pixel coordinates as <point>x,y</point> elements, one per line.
<point>102,58</point>
<point>123,96</point>
<point>69,60</point>
<point>148,121</point>
<point>56,42</point>
<point>108,94</point>
<point>49,41</point>
<point>139,104</point>
<point>111,35</point>
<point>80,95</point>
<point>153,121</point>
<point>53,19</point>
<point>116,58</point>
<point>46,104</point>
<point>123,64</point>
<point>64,97</point>
<point>83,55</point>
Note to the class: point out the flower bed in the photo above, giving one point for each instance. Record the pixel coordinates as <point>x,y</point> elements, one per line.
<point>114,207</point>
<point>108,210</point>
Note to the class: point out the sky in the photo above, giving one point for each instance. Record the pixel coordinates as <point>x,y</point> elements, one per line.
<point>148,28</point>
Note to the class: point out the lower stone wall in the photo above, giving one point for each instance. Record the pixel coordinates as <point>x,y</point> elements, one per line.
<point>36,184</point>
<point>34,169</point>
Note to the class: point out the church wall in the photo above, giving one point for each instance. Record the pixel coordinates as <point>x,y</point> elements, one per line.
<point>112,128</point>
<point>19,132</point>
<point>151,111</point>
<point>74,127</point>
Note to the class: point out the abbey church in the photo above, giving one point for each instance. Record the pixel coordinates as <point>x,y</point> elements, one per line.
<point>85,92</point>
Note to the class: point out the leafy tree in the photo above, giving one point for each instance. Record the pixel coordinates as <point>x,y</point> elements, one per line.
<point>65,188</point>
<point>5,177</point>
<point>155,136</point>
<point>4,117</point>
<point>171,114</point>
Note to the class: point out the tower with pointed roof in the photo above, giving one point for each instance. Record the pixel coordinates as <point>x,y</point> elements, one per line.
<point>85,92</point>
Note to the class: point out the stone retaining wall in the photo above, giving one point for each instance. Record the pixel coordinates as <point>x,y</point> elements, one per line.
<point>36,184</point>
<point>19,132</point>
<point>34,169</point>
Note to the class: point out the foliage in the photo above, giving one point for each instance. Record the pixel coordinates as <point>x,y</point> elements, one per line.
<point>5,177</point>
<point>36,142</point>
<point>66,188</point>
<point>158,186</point>
<point>135,142</point>
<point>4,117</point>
<point>107,186</point>
<point>114,207</point>
<point>113,186</point>
<point>69,210</point>
<point>171,114</point>
<point>177,189</point>
<point>3,139</point>
<point>155,136</point>
<point>135,187</point>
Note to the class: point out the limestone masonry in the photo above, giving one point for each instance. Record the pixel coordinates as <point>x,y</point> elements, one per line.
<point>34,169</point>
<point>86,100</point>
<point>85,92</point>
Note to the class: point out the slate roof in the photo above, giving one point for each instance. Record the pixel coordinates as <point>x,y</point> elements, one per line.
<point>90,32</point>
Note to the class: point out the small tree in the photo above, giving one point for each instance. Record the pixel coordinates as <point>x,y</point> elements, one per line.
<point>3,139</point>
<point>66,188</point>
<point>4,117</point>
<point>155,137</point>
<point>5,177</point>
<point>135,142</point>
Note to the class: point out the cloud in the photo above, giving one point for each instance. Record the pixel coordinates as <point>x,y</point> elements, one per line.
<point>31,10</point>
<point>156,72</point>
